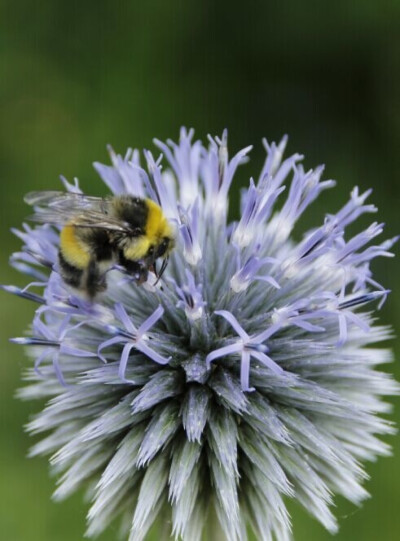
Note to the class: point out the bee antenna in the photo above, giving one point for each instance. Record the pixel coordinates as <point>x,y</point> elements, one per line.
<point>163,267</point>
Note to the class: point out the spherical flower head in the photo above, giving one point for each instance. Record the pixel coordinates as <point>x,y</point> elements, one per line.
<point>245,376</point>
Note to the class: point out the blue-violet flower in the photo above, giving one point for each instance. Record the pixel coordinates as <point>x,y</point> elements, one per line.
<point>244,377</point>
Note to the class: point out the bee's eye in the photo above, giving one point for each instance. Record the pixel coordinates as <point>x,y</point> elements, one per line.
<point>150,250</point>
<point>162,248</point>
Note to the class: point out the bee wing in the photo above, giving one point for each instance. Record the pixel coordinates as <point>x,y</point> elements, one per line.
<point>67,201</point>
<point>59,208</point>
<point>92,218</point>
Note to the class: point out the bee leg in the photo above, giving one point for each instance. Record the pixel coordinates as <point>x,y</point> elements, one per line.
<point>136,269</point>
<point>95,279</point>
<point>143,274</point>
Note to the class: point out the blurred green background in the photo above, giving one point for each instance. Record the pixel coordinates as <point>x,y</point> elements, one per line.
<point>75,76</point>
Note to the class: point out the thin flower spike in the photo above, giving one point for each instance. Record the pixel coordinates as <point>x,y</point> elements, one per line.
<point>247,346</point>
<point>247,375</point>
<point>244,276</point>
<point>54,344</point>
<point>191,298</point>
<point>132,338</point>
<point>189,230</point>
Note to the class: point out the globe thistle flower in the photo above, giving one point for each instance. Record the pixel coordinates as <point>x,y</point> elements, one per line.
<point>245,377</point>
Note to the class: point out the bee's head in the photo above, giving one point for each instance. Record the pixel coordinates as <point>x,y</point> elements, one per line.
<point>148,242</point>
<point>162,249</point>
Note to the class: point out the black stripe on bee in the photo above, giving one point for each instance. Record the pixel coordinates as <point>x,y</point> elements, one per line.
<point>70,274</point>
<point>98,242</point>
<point>132,210</point>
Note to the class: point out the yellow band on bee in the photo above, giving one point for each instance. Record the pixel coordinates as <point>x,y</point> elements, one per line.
<point>157,226</point>
<point>73,249</point>
<point>137,249</point>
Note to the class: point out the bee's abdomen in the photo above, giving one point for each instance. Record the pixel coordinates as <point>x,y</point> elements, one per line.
<point>73,250</point>
<point>81,245</point>
<point>70,274</point>
<point>98,242</point>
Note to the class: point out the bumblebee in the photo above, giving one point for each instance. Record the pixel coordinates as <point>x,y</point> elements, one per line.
<point>99,233</point>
